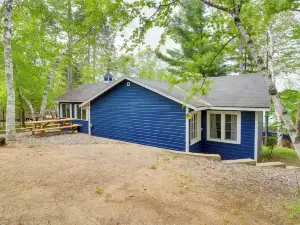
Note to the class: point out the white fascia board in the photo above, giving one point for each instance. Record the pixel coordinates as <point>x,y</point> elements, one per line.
<point>66,101</point>
<point>102,91</point>
<point>142,85</point>
<point>232,108</point>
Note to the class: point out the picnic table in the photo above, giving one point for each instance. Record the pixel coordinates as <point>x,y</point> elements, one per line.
<point>42,126</point>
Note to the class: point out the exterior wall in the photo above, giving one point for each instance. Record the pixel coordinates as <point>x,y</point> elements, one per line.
<point>227,150</point>
<point>136,114</point>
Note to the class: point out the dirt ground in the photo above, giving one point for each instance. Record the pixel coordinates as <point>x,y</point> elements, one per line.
<point>136,185</point>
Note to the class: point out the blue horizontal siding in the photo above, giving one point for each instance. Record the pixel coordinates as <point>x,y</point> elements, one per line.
<point>136,114</point>
<point>227,150</point>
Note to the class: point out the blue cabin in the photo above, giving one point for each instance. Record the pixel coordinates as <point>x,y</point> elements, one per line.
<point>228,121</point>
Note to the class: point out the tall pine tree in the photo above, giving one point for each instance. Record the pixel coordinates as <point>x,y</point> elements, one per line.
<point>200,53</point>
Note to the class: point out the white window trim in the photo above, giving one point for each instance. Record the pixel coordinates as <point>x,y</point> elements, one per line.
<point>187,130</point>
<point>87,112</point>
<point>223,113</point>
<point>195,140</point>
<point>256,137</point>
<point>61,110</point>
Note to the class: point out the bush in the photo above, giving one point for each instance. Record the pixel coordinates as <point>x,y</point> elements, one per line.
<point>272,142</point>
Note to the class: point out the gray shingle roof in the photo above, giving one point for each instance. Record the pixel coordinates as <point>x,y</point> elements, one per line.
<point>245,91</point>
<point>82,93</point>
<point>249,90</point>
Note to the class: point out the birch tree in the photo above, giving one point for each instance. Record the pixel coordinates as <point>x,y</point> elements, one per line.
<point>259,14</point>
<point>280,109</point>
<point>9,76</point>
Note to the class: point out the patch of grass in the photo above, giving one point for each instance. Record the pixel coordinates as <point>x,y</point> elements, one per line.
<point>154,166</point>
<point>285,155</point>
<point>99,190</point>
<point>234,211</point>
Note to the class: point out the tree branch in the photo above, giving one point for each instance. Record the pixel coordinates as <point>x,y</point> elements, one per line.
<point>28,103</point>
<point>159,7</point>
<point>218,53</point>
<point>210,3</point>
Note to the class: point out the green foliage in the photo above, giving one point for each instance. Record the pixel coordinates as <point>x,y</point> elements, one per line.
<point>201,53</point>
<point>290,100</point>
<point>272,142</point>
<point>285,155</point>
<point>99,190</point>
<point>154,166</point>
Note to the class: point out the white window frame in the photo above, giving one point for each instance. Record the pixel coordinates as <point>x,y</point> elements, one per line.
<point>81,108</point>
<point>199,129</point>
<point>222,139</point>
<point>61,110</point>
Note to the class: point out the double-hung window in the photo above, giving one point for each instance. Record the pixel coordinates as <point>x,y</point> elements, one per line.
<point>81,112</point>
<point>224,126</point>
<point>65,110</point>
<point>195,127</point>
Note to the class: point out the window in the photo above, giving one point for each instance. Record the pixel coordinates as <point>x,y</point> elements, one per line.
<point>81,113</point>
<point>65,110</point>
<point>231,127</point>
<point>224,126</point>
<point>110,78</point>
<point>195,127</point>
<point>105,78</point>
<point>215,126</point>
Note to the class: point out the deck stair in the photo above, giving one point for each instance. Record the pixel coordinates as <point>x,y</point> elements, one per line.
<point>271,164</point>
<point>240,161</point>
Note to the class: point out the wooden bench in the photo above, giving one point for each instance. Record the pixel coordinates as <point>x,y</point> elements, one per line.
<point>61,128</point>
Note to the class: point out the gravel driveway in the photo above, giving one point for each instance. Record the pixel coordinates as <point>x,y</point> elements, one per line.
<point>58,138</point>
<point>57,184</point>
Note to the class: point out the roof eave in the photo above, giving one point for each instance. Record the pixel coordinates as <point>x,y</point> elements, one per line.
<point>262,109</point>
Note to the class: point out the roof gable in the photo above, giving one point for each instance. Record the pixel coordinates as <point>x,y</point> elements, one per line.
<point>150,85</point>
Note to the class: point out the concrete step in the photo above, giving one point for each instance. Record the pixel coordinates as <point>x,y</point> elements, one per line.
<point>200,155</point>
<point>271,164</point>
<point>292,167</point>
<point>240,161</point>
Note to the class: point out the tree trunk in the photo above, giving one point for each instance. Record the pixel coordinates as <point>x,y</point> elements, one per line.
<point>270,51</point>
<point>286,119</point>
<point>10,89</point>
<point>298,124</point>
<point>52,72</point>
<point>28,104</point>
<point>70,75</point>
<point>241,65</point>
<point>23,117</point>
<point>266,128</point>
<point>94,58</point>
